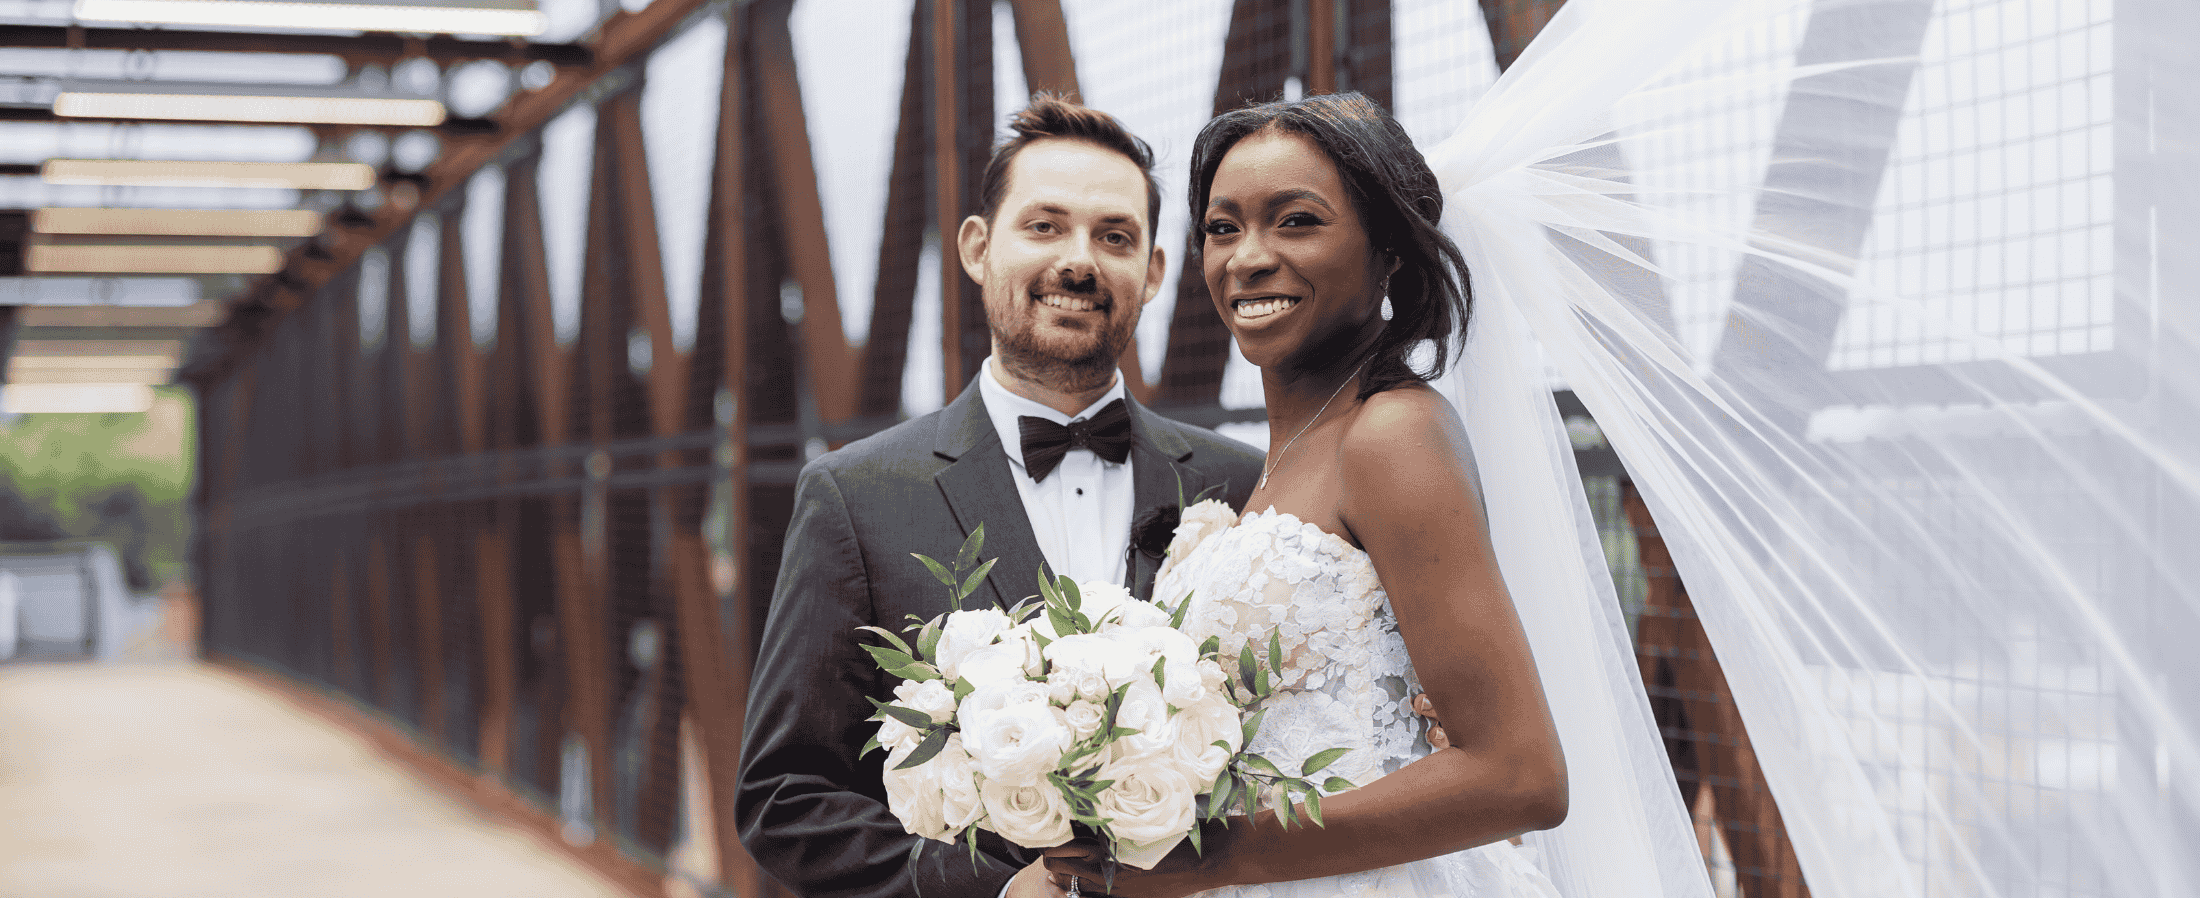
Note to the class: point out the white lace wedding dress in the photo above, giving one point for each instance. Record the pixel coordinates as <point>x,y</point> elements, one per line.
<point>1345,681</point>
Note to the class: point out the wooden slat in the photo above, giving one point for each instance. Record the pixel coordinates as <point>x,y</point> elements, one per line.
<point>947,180</point>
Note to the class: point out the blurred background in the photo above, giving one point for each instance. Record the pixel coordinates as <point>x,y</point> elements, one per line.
<point>444,369</point>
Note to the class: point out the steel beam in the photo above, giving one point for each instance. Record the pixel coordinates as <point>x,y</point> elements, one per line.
<point>376,48</point>
<point>624,37</point>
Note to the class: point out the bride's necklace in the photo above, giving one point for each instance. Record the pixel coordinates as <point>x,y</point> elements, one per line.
<point>1276,461</point>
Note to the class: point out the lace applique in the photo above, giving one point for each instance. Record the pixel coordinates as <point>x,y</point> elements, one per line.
<point>1345,680</point>
<point>1345,670</point>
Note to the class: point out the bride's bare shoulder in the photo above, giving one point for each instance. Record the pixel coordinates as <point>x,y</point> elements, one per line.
<point>1411,424</point>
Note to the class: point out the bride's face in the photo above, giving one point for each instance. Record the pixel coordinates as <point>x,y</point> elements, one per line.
<point>1287,259</point>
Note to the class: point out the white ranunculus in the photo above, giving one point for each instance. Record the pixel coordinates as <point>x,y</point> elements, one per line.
<point>1016,742</point>
<point>1084,719</point>
<point>1034,815</point>
<point>937,798</point>
<point>964,632</point>
<point>931,697</point>
<point>1149,801</point>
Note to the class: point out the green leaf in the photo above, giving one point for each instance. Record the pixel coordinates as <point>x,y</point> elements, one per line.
<point>1314,806</point>
<point>869,745</point>
<point>969,554</point>
<point>887,658</point>
<point>928,640</point>
<point>1176,619</point>
<point>1047,592</point>
<point>1246,664</point>
<point>916,851</point>
<point>910,716</point>
<point>1258,764</point>
<point>1060,618</point>
<point>1285,814</point>
<point>1210,647</point>
<point>926,750</point>
<point>915,672</point>
<point>1336,784</point>
<point>890,637</point>
<point>1160,673</point>
<point>1069,590</point>
<point>939,571</point>
<point>1275,652</point>
<point>1252,724</point>
<point>1260,683</point>
<point>970,584</point>
<point>1321,759</point>
<point>963,688</point>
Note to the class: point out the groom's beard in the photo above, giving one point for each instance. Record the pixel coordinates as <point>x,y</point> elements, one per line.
<point>1068,362</point>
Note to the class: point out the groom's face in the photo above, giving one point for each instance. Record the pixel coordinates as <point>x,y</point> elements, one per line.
<point>1066,263</point>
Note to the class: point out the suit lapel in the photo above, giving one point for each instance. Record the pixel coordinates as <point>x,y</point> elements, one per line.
<point>1160,478</point>
<point>978,490</point>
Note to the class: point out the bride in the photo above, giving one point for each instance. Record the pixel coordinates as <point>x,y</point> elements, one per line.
<point>1367,543</point>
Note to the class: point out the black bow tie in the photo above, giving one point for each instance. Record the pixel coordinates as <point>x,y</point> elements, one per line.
<point>1107,434</point>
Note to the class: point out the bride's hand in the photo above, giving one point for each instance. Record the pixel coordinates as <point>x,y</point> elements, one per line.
<point>1180,873</point>
<point>1436,737</point>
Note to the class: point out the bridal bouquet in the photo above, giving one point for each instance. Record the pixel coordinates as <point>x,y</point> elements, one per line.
<point>1081,711</point>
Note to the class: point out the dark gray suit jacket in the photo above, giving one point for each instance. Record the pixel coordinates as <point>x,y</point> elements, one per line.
<point>810,812</point>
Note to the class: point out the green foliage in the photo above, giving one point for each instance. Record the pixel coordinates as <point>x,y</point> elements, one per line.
<point>119,478</point>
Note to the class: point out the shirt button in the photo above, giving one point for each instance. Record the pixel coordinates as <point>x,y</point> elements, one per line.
<point>1080,491</point>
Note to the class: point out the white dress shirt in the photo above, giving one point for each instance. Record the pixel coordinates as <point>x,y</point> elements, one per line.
<point>1081,513</point>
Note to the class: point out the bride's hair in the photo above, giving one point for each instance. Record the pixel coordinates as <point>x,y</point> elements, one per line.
<point>1399,203</point>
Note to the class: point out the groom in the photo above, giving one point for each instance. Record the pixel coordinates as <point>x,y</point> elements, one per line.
<point>1045,449</point>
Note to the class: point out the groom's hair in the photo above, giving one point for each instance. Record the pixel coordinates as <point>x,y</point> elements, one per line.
<point>1050,117</point>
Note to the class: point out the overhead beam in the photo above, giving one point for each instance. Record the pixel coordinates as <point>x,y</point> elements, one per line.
<point>365,48</point>
<point>452,127</point>
<point>624,37</point>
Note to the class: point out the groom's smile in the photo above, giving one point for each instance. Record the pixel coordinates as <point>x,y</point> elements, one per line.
<point>1066,263</point>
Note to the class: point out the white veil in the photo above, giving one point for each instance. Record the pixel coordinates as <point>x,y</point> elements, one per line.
<point>1880,303</point>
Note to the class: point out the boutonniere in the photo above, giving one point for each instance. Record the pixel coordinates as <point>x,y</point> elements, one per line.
<point>1162,532</point>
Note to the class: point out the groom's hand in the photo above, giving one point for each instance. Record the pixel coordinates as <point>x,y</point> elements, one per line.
<point>1426,708</point>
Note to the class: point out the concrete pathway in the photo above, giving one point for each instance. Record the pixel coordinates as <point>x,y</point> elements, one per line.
<point>179,781</point>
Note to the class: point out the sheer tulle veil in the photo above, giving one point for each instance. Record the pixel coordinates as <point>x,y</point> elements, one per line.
<point>1876,303</point>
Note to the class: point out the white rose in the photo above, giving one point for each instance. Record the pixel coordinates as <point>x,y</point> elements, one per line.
<point>1193,525</point>
<point>897,736</point>
<point>1016,742</point>
<point>1034,815</point>
<point>1144,710</point>
<point>931,697</point>
<point>1084,719</point>
<point>999,663</point>
<point>1061,689</point>
<point>1097,655</point>
<point>1101,600</point>
<point>1211,675</point>
<point>1180,667</point>
<point>1142,614</point>
<point>1199,726</point>
<point>937,798</point>
<point>964,632</point>
<point>1149,801</point>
